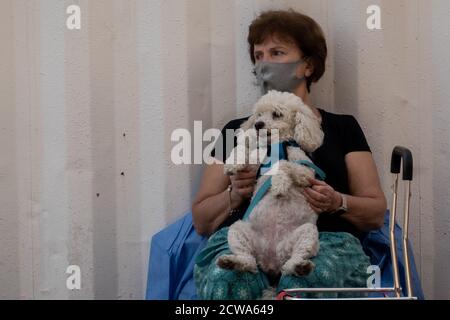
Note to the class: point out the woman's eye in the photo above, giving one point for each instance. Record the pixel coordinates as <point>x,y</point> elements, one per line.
<point>276,114</point>
<point>277,53</point>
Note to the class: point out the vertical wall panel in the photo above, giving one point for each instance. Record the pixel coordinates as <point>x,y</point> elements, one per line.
<point>175,104</point>
<point>223,60</point>
<point>79,167</point>
<point>441,145</point>
<point>106,170</point>
<point>50,217</point>
<point>9,220</point>
<point>127,140</point>
<point>151,121</point>
<point>425,180</point>
<point>26,46</point>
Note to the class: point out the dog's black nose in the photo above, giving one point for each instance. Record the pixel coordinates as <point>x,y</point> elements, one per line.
<point>259,125</point>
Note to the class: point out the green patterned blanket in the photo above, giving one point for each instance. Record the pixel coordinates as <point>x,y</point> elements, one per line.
<point>341,262</point>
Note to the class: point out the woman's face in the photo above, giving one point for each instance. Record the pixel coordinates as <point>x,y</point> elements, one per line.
<point>278,51</point>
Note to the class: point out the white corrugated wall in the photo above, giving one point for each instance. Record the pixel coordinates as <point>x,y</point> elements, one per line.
<point>86,118</point>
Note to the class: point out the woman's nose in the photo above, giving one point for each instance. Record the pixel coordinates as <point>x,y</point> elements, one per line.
<point>266,58</point>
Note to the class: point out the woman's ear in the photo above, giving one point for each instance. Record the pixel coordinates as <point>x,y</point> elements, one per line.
<point>309,67</point>
<point>308,132</point>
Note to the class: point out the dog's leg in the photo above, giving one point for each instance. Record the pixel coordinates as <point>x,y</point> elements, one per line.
<point>301,245</point>
<point>241,241</point>
<point>281,180</point>
<point>236,160</point>
<point>289,173</point>
<point>299,174</point>
<point>243,154</point>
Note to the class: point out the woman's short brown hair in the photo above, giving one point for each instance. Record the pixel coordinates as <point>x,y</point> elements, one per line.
<point>289,25</point>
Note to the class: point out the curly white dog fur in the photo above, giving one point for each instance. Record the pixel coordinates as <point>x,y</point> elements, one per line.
<point>280,235</point>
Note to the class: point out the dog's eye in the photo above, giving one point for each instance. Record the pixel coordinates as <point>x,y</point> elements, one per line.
<point>276,114</point>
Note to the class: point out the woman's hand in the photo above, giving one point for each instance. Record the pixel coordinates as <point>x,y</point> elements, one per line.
<point>322,197</point>
<point>243,185</point>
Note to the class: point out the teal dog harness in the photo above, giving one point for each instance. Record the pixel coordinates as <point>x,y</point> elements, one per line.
<point>277,152</point>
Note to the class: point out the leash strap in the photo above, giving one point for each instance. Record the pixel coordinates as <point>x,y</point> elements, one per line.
<point>258,196</point>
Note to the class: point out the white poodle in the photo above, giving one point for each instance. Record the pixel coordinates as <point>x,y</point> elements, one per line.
<point>280,235</point>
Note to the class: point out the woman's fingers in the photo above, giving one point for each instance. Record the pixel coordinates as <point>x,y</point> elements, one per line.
<point>313,202</point>
<point>316,196</point>
<point>315,182</point>
<point>244,179</point>
<point>315,209</point>
<point>325,204</point>
<point>246,192</point>
<point>320,186</point>
<point>243,183</point>
<point>245,175</point>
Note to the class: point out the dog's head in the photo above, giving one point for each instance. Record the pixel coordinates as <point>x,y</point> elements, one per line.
<point>288,114</point>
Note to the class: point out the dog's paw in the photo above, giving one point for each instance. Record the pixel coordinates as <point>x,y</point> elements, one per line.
<point>303,181</point>
<point>226,262</point>
<point>280,185</point>
<point>234,262</point>
<point>269,294</point>
<point>301,176</point>
<point>232,169</point>
<point>299,268</point>
<point>304,268</point>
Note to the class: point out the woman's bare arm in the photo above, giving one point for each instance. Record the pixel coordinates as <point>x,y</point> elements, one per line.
<point>367,203</point>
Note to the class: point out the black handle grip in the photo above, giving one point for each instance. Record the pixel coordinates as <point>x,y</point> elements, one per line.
<point>398,154</point>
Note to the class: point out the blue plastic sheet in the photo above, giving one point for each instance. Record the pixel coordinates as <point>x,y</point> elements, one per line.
<point>174,249</point>
<point>376,244</point>
<point>172,258</point>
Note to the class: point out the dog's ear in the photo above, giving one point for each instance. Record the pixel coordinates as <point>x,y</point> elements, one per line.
<point>308,131</point>
<point>249,124</point>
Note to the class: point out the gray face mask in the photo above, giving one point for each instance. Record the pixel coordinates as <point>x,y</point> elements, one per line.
<point>277,76</point>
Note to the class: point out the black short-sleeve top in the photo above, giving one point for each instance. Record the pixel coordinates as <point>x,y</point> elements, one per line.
<point>342,135</point>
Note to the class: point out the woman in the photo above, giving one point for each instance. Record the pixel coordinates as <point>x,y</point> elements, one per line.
<point>289,52</point>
